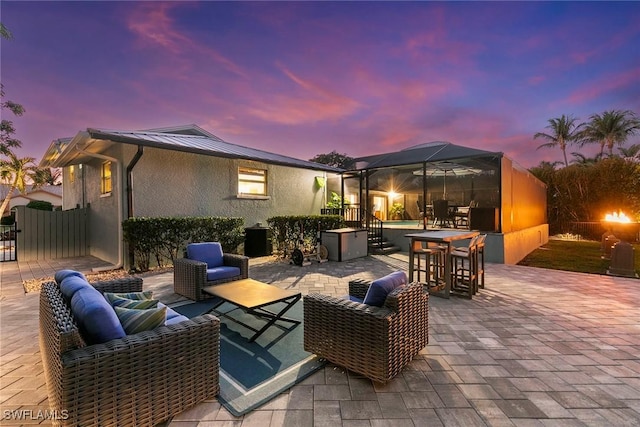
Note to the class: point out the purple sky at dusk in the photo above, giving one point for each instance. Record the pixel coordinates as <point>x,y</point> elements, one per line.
<point>305,78</point>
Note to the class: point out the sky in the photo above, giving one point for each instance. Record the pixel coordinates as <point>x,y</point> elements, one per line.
<point>306,78</point>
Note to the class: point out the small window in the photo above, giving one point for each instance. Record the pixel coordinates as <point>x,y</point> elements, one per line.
<point>105,181</point>
<point>252,181</point>
<point>72,173</point>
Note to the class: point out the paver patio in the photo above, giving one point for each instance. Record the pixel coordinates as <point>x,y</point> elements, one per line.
<point>536,347</point>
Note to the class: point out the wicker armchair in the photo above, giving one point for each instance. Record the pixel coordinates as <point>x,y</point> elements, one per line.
<point>190,276</point>
<point>376,342</point>
<point>142,379</point>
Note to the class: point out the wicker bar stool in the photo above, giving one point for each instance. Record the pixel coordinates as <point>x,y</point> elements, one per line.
<point>433,257</point>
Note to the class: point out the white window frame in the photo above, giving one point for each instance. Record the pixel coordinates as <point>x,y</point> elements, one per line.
<point>250,179</point>
<point>106,181</point>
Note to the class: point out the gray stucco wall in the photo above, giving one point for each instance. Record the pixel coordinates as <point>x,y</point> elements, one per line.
<point>170,183</point>
<point>104,221</point>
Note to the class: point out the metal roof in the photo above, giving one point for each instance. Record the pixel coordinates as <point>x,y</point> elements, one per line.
<point>185,139</point>
<point>430,152</point>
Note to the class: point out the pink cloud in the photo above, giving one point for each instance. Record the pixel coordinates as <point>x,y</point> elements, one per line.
<point>308,104</point>
<point>604,85</point>
<point>152,24</point>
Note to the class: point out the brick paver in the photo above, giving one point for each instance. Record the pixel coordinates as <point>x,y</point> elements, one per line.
<point>535,347</point>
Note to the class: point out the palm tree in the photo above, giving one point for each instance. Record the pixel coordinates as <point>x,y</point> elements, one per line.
<point>46,176</point>
<point>564,131</point>
<point>582,160</point>
<point>632,152</point>
<point>16,171</point>
<point>611,128</point>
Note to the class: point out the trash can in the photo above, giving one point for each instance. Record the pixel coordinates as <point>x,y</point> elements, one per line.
<point>257,241</point>
<point>622,260</point>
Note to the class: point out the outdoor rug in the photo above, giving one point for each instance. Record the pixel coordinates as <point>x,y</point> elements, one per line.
<point>251,374</point>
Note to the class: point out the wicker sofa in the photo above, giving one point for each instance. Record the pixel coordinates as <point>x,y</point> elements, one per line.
<point>142,379</point>
<point>376,342</point>
<point>191,275</point>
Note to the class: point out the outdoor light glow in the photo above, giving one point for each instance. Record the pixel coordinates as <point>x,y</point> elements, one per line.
<point>617,217</point>
<point>393,195</point>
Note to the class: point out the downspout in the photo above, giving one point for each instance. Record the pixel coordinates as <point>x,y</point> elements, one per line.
<point>119,168</point>
<point>130,167</point>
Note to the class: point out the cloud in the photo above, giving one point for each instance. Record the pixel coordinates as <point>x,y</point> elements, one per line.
<point>152,24</point>
<point>604,85</point>
<point>310,103</point>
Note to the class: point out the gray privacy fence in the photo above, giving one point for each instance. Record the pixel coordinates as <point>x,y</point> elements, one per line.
<point>51,235</point>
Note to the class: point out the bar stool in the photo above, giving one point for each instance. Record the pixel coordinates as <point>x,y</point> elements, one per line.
<point>433,268</point>
<point>464,270</point>
<point>478,261</point>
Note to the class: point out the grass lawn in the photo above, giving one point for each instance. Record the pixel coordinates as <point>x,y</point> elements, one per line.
<point>573,255</point>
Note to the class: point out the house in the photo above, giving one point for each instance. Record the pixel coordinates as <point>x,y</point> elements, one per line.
<point>503,199</point>
<point>45,193</point>
<point>177,171</point>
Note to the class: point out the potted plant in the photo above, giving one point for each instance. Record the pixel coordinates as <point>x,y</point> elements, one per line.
<point>396,211</point>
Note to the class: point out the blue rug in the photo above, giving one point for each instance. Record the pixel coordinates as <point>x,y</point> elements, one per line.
<point>251,374</point>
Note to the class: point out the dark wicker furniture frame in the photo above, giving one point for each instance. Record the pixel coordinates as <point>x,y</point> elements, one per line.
<point>376,342</point>
<point>142,379</point>
<point>190,276</point>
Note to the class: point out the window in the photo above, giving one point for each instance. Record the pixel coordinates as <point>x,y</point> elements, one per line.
<point>72,173</point>
<point>105,178</point>
<point>252,182</point>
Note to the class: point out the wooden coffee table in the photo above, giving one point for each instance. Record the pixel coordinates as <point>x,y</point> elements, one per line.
<point>253,296</point>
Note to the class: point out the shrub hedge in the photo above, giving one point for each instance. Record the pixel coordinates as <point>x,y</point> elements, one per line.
<point>286,230</point>
<point>165,238</point>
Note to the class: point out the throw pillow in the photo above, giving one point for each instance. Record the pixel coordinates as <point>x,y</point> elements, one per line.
<point>380,288</point>
<point>139,304</point>
<point>207,252</point>
<point>134,321</point>
<point>110,296</point>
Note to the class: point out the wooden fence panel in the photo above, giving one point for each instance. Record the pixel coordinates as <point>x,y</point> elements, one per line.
<point>51,235</point>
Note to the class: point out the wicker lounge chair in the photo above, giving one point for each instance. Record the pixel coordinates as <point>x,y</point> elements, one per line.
<point>142,379</point>
<point>376,342</point>
<point>190,275</point>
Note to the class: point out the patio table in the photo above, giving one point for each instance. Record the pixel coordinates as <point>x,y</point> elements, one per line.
<point>253,296</point>
<point>445,238</point>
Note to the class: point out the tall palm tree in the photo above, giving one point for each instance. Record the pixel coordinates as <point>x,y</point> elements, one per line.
<point>16,171</point>
<point>610,128</point>
<point>564,131</point>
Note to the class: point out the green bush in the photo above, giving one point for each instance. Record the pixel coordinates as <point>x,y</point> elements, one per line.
<point>40,205</point>
<point>9,219</point>
<point>286,230</point>
<point>165,238</point>
<point>587,192</point>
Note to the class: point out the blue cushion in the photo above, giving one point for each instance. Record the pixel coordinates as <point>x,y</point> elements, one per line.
<point>175,319</point>
<point>96,318</point>
<point>224,272</point>
<point>352,298</point>
<point>208,252</point>
<point>380,288</point>
<point>173,316</point>
<point>71,284</point>
<point>62,274</point>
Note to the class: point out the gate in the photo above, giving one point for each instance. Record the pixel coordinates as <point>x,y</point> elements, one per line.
<point>51,234</point>
<point>8,242</point>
